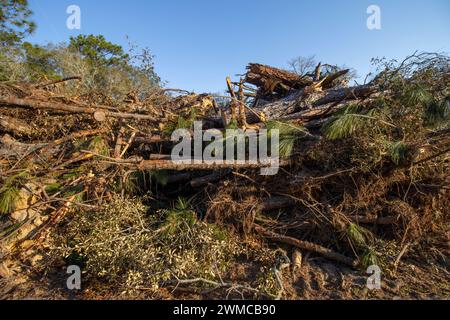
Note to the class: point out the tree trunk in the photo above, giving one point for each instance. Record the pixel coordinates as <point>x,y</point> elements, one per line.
<point>14,126</point>
<point>64,108</point>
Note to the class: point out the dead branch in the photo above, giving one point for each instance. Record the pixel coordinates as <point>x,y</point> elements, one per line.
<point>57,82</point>
<point>64,108</point>
<point>304,245</point>
<point>14,126</point>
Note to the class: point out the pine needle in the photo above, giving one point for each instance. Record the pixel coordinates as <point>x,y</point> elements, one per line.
<point>437,112</point>
<point>289,134</point>
<point>8,198</point>
<point>399,152</point>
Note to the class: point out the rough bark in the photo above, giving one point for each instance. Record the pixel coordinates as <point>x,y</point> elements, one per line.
<point>154,165</point>
<point>11,148</point>
<point>271,79</point>
<point>14,126</point>
<point>308,246</point>
<point>298,102</point>
<point>65,108</point>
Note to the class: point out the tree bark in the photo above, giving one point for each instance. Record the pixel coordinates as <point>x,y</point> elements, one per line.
<point>271,79</point>
<point>154,165</point>
<point>293,105</point>
<point>64,108</point>
<point>14,126</point>
<point>304,245</point>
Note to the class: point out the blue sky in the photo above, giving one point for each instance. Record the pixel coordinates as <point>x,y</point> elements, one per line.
<point>197,43</point>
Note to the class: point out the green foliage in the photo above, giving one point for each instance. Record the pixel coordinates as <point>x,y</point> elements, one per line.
<point>437,112</point>
<point>359,236</point>
<point>8,198</point>
<point>53,188</point>
<point>356,234</point>
<point>10,191</point>
<point>136,182</point>
<point>99,145</point>
<point>417,95</point>
<point>15,21</point>
<point>399,152</point>
<point>362,240</point>
<point>144,253</point>
<point>182,121</point>
<point>39,61</point>
<point>289,134</point>
<point>76,191</point>
<point>345,123</point>
<point>369,258</point>
<point>180,218</point>
<point>233,125</point>
<point>103,67</point>
<point>98,51</point>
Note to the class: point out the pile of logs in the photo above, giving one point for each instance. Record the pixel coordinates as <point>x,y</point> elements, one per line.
<point>49,136</point>
<point>265,93</point>
<point>283,95</point>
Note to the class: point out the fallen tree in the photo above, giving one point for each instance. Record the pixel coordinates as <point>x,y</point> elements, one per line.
<point>359,165</point>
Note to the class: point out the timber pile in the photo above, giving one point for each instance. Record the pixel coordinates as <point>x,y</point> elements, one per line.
<point>54,148</point>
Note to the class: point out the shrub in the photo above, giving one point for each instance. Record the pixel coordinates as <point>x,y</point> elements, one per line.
<point>128,246</point>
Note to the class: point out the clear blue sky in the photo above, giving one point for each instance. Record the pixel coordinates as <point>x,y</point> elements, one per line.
<point>197,43</point>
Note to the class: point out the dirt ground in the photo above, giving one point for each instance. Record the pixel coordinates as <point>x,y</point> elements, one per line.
<point>316,279</point>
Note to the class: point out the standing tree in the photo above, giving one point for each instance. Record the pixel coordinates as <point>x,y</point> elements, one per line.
<point>98,50</point>
<point>112,69</point>
<point>15,21</point>
<point>303,65</point>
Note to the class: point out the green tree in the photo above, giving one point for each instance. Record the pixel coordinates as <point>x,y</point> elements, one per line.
<point>98,50</point>
<point>112,69</point>
<point>40,61</point>
<point>15,21</point>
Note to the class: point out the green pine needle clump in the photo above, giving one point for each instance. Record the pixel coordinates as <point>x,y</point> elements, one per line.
<point>417,95</point>
<point>180,217</point>
<point>99,146</point>
<point>369,258</point>
<point>344,124</point>
<point>437,112</point>
<point>8,198</point>
<point>399,152</point>
<point>289,134</point>
<point>357,234</point>
<point>10,191</point>
<point>184,121</point>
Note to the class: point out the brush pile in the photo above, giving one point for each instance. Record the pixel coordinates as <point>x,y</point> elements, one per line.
<point>364,180</point>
